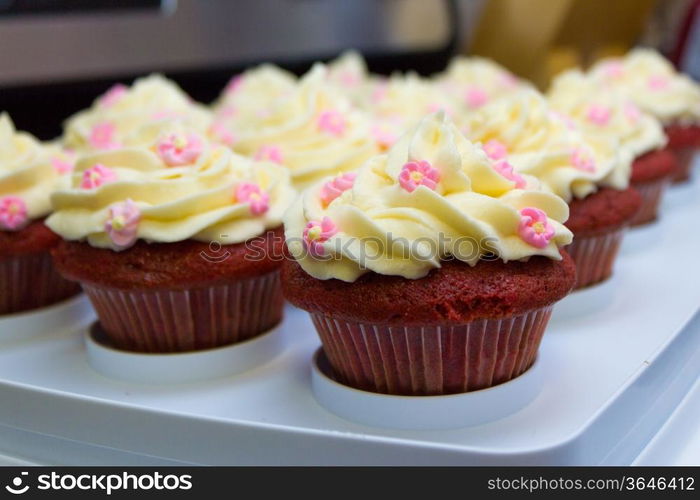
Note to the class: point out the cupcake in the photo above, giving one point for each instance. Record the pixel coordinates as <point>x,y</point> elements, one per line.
<point>122,110</point>
<point>433,270</point>
<point>588,171</point>
<point>652,83</point>
<point>602,110</point>
<point>177,244</point>
<point>247,96</point>
<point>314,132</point>
<point>29,171</point>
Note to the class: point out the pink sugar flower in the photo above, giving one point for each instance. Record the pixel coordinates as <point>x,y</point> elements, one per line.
<point>348,78</point>
<point>122,223</point>
<point>113,95</point>
<point>383,137</point>
<point>177,149</point>
<point>563,118</point>
<point>582,160</point>
<point>13,213</point>
<point>102,136</point>
<point>96,176</point>
<point>613,69</point>
<point>337,186</point>
<point>269,153</point>
<point>317,233</point>
<point>476,97</point>
<point>506,170</point>
<point>332,122</point>
<point>418,173</point>
<point>534,227</point>
<point>600,115</point>
<point>495,150</point>
<point>250,192</point>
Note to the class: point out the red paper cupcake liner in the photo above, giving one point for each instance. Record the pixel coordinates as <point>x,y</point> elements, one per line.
<point>431,359</point>
<point>186,320</point>
<point>30,282</point>
<point>684,159</point>
<point>652,193</point>
<point>594,256</point>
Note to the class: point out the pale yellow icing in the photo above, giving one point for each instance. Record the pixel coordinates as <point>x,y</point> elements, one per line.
<point>473,211</point>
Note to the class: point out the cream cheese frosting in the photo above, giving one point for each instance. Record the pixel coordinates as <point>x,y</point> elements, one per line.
<point>600,109</point>
<point>181,187</point>
<point>123,109</point>
<point>549,145</point>
<point>653,84</point>
<point>314,132</point>
<point>434,196</point>
<point>29,172</point>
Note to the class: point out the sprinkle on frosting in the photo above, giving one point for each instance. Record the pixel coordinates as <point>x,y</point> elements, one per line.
<point>96,176</point>
<point>332,122</point>
<point>334,188</point>
<point>250,192</point>
<point>113,95</point>
<point>269,153</point>
<point>179,149</point>
<point>495,150</point>
<point>535,228</point>
<point>506,170</point>
<point>102,136</point>
<point>583,160</point>
<point>599,115</point>
<point>13,213</point>
<point>317,233</point>
<point>476,97</point>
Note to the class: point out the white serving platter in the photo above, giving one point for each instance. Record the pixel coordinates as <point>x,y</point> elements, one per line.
<point>616,360</point>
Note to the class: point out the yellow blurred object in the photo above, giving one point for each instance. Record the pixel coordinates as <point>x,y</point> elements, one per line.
<point>538,38</point>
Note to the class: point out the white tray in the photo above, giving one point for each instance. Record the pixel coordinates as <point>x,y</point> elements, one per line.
<point>616,358</point>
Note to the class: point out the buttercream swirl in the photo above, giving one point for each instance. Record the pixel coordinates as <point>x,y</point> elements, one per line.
<point>29,172</point>
<point>122,109</point>
<point>314,132</point>
<point>600,109</point>
<point>544,143</point>
<point>181,187</point>
<point>653,84</point>
<point>434,196</point>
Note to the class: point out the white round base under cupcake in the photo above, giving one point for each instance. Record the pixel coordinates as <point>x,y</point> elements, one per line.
<point>70,313</point>
<point>174,368</point>
<point>423,412</point>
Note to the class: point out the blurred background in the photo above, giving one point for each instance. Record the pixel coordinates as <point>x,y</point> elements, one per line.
<point>57,55</point>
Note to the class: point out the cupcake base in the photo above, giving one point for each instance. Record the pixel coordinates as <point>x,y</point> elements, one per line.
<point>174,320</point>
<point>433,359</point>
<point>684,162</point>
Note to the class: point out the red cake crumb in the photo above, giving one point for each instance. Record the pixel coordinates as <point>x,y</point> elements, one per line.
<point>456,293</point>
<point>182,265</point>
<point>602,211</point>
<point>653,165</point>
<point>36,238</point>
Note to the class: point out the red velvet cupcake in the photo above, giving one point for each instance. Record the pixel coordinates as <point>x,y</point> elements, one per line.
<point>433,270</point>
<point>175,240</point>
<point>29,171</point>
<point>684,142</point>
<point>651,174</point>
